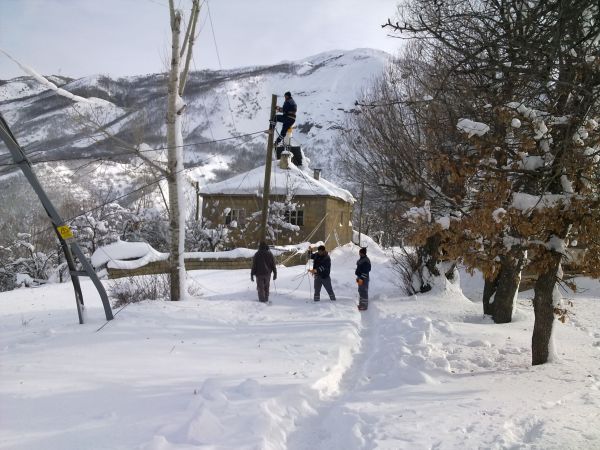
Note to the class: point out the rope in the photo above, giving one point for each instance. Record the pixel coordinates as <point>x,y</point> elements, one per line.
<point>115,315</point>
<point>306,239</point>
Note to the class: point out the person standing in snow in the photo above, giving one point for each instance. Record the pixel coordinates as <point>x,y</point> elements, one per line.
<point>363,267</point>
<point>263,264</point>
<point>321,269</point>
<point>288,116</point>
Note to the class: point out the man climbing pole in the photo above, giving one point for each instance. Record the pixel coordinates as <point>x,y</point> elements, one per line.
<point>288,116</point>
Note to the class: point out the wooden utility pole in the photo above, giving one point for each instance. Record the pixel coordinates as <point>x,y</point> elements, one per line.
<point>267,184</point>
<point>197,186</point>
<point>360,213</point>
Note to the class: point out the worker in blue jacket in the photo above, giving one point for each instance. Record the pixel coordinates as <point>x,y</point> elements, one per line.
<point>321,270</point>
<point>363,268</point>
<point>287,116</point>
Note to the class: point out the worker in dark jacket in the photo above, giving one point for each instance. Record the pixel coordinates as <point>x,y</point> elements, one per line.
<point>263,264</point>
<point>321,269</point>
<point>288,116</point>
<point>363,267</point>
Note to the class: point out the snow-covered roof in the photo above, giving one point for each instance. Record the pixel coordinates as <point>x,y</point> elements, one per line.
<point>294,180</point>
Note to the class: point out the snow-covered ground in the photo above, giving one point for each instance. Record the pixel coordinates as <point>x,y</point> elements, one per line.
<point>225,372</point>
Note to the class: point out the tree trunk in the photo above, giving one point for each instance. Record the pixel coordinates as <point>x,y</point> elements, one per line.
<point>428,258</point>
<point>508,283</point>
<point>175,168</point>
<point>175,164</point>
<point>543,308</point>
<point>489,290</point>
<point>499,293</point>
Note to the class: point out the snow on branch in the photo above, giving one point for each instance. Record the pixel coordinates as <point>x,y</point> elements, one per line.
<point>50,85</point>
<point>527,202</point>
<point>472,128</point>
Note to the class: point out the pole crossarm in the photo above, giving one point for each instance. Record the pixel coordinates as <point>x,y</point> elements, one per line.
<point>64,234</point>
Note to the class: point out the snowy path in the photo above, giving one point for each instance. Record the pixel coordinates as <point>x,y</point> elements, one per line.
<point>415,377</point>
<point>225,372</point>
<point>393,353</point>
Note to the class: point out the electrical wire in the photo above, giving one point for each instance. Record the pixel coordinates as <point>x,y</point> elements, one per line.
<point>219,60</point>
<point>141,188</point>
<point>132,152</point>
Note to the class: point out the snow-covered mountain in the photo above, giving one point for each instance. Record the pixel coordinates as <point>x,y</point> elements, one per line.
<point>220,104</point>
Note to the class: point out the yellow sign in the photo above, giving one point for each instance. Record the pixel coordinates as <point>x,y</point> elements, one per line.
<point>65,232</point>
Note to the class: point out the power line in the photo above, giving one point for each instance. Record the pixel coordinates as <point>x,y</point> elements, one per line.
<point>219,60</point>
<point>133,152</point>
<point>155,181</point>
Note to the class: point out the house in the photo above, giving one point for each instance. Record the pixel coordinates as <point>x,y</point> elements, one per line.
<point>303,207</point>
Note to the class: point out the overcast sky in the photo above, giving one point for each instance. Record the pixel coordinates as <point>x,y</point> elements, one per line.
<point>131,37</point>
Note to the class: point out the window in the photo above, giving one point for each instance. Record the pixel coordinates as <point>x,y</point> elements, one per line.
<point>233,216</point>
<point>295,217</point>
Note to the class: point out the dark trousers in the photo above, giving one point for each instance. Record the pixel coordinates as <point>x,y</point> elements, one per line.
<point>287,123</point>
<point>262,286</point>
<point>326,283</point>
<point>363,293</point>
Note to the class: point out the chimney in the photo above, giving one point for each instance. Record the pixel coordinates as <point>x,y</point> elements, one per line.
<point>316,174</point>
<point>284,162</point>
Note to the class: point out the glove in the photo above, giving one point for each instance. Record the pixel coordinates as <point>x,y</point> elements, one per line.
<point>360,281</point>
<point>274,276</point>
<point>251,278</point>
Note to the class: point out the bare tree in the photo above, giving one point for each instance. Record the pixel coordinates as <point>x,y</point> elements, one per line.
<point>175,111</point>
<point>393,145</point>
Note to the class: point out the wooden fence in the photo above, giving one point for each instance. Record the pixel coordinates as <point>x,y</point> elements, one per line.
<point>158,267</point>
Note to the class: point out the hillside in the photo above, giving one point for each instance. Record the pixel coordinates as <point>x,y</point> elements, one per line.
<point>220,104</point>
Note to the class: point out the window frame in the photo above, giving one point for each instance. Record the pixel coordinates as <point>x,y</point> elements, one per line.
<point>295,217</point>
<point>234,215</point>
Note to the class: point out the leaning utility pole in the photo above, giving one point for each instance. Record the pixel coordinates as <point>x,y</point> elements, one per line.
<point>63,231</point>
<point>267,184</point>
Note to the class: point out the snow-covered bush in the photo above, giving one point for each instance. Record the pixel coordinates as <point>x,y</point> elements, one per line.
<point>279,221</point>
<point>138,289</point>
<point>148,225</point>
<point>21,265</point>
<point>100,226</point>
<point>200,237</point>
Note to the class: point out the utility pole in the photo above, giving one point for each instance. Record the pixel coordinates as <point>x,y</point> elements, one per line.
<point>267,183</point>
<point>63,231</point>
<point>197,186</point>
<point>360,214</point>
